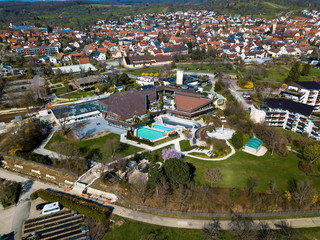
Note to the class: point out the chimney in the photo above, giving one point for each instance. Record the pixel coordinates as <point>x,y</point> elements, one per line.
<point>179,80</point>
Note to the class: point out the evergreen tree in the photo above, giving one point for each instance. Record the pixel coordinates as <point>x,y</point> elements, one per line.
<point>305,70</point>
<point>294,73</point>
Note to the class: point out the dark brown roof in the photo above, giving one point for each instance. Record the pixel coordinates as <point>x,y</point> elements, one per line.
<point>128,104</point>
<point>190,104</point>
<point>141,59</point>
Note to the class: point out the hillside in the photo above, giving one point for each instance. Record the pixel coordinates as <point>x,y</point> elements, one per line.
<point>84,13</point>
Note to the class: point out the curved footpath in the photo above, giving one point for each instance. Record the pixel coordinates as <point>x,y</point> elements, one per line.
<point>140,216</point>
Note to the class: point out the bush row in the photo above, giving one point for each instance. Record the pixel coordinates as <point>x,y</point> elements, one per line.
<point>130,136</point>
<point>90,210</point>
<point>34,157</point>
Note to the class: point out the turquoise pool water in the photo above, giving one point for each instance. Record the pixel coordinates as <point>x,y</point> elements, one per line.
<point>162,128</point>
<point>149,134</point>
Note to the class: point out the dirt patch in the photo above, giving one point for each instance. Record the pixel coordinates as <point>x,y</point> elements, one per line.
<point>46,173</point>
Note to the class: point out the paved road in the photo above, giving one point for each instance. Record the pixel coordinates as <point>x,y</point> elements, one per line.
<point>154,219</point>
<point>17,215</point>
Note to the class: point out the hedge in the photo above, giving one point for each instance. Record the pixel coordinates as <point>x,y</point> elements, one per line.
<point>88,209</point>
<point>34,157</point>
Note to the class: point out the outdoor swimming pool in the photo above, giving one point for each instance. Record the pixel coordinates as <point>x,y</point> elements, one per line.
<point>149,134</point>
<point>162,128</point>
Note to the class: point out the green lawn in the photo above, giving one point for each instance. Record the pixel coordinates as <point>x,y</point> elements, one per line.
<point>138,71</point>
<point>313,73</point>
<point>208,87</point>
<point>1,46</point>
<point>77,94</point>
<point>122,228</point>
<point>61,90</point>
<point>185,145</point>
<point>236,170</point>
<point>92,147</point>
<point>138,231</point>
<point>206,68</point>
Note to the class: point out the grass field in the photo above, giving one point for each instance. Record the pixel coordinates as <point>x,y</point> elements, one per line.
<point>236,170</point>
<point>59,91</point>
<point>78,94</point>
<point>138,231</point>
<point>138,71</point>
<point>206,68</point>
<point>122,228</point>
<point>1,46</point>
<point>92,147</point>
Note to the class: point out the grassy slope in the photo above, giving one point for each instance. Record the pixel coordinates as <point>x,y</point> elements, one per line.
<point>236,170</point>
<point>138,231</point>
<point>94,146</point>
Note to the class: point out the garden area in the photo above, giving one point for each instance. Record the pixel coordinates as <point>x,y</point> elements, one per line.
<point>107,147</point>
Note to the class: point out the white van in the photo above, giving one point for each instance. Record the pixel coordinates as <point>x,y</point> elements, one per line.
<point>51,208</point>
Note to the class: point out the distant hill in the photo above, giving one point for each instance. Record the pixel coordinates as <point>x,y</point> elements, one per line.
<point>86,12</point>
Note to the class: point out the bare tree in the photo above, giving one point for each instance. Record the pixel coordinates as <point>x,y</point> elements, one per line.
<point>243,228</point>
<point>183,195</point>
<point>112,147</point>
<point>286,230</point>
<point>303,193</point>
<point>139,188</point>
<point>213,230</point>
<point>163,188</point>
<point>212,175</point>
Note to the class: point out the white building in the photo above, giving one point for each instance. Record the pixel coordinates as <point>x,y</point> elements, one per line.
<point>307,92</point>
<point>78,112</point>
<point>291,115</point>
<point>144,80</point>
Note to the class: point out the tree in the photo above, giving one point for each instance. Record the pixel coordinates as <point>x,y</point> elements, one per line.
<point>237,139</point>
<point>294,73</point>
<point>99,87</point>
<point>303,193</point>
<point>177,172</point>
<point>306,69</point>
<point>212,175</point>
<point>160,103</point>
<point>217,87</point>
<point>154,176</point>
<point>112,147</point>
<point>213,230</point>
<point>243,228</point>
<point>163,190</point>
<point>139,188</point>
<point>169,153</point>
<point>312,153</point>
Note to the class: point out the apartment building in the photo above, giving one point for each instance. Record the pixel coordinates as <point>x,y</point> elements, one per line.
<point>306,92</point>
<point>291,115</point>
<point>25,51</point>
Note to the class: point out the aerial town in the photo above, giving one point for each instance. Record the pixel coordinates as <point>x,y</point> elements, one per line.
<point>176,125</point>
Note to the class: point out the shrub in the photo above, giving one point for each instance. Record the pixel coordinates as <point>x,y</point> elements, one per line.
<point>90,210</point>
<point>237,139</point>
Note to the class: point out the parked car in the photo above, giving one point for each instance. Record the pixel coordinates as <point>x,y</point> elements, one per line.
<point>40,206</point>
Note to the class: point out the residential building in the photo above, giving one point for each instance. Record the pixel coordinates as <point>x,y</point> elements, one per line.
<point>25,51</point>
<point>307,92</point>
<point>291,115</point>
